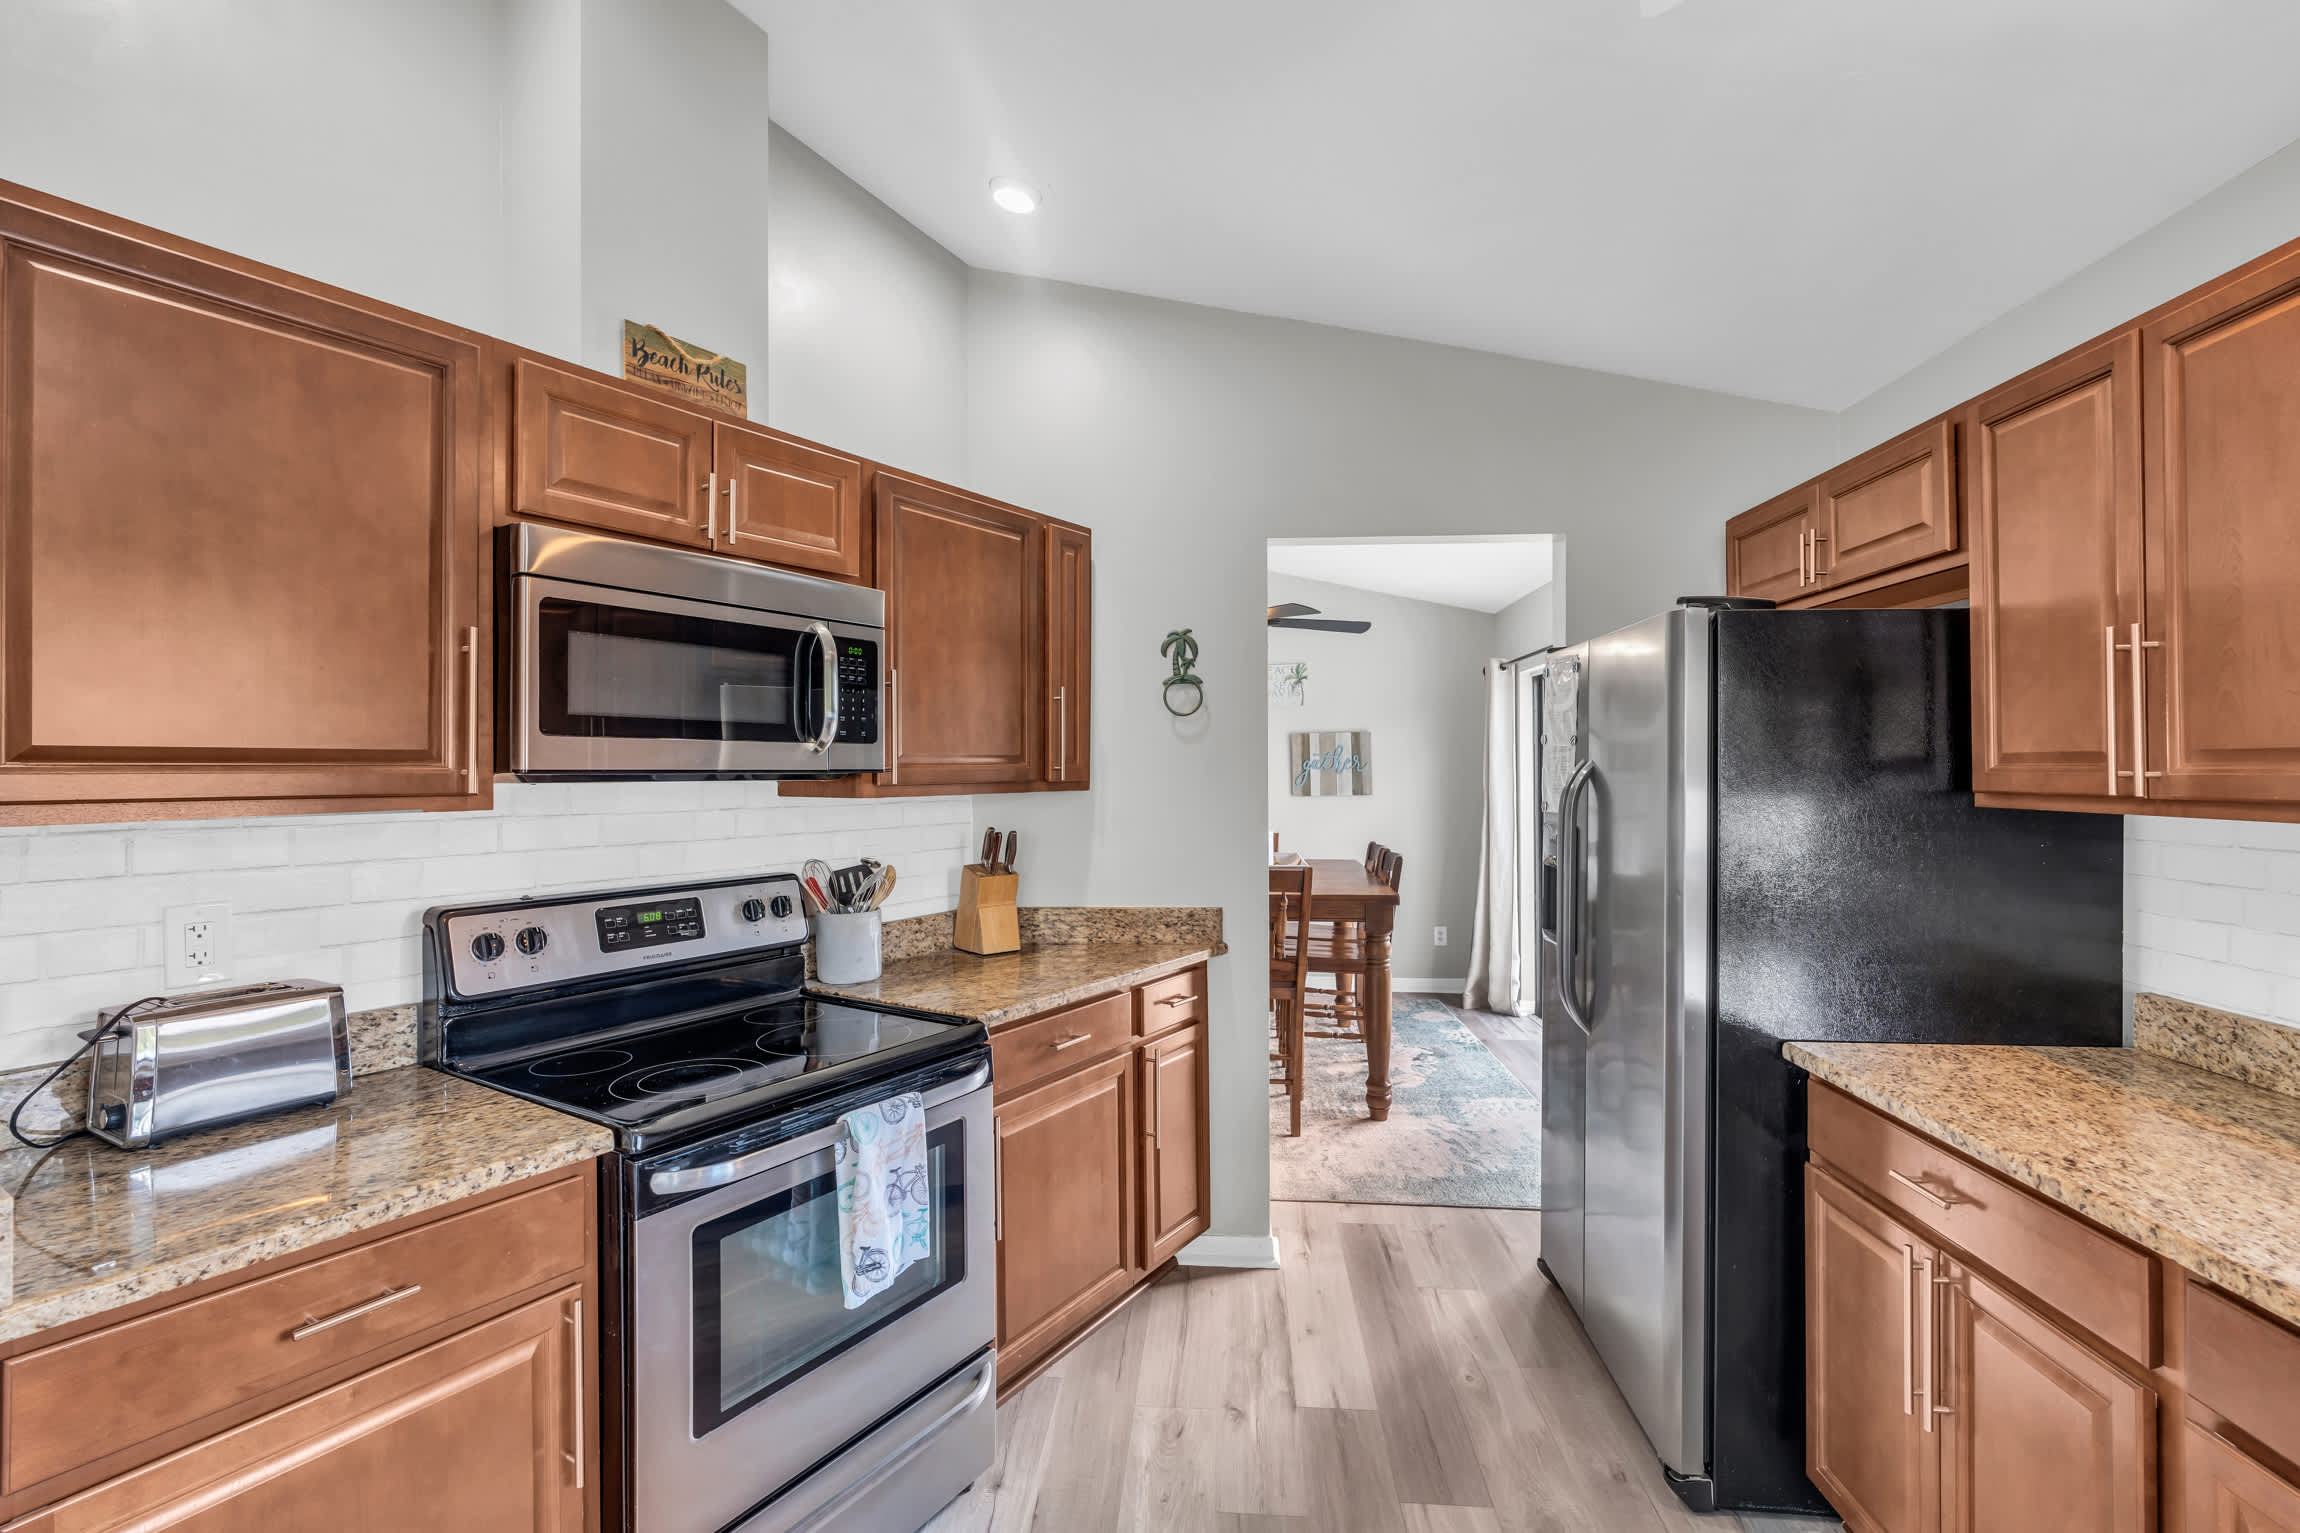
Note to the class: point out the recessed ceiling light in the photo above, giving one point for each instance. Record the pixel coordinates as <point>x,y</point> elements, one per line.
<point>1013,196</point>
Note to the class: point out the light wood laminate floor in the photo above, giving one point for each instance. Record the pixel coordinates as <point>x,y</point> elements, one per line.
<point>1406,1370</point>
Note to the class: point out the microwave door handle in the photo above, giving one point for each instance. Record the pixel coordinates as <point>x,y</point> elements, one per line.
<point>827,650</point>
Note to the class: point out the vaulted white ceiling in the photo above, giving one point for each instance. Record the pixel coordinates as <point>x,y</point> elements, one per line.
<point>1796,200</point>
<point>1481,574</point>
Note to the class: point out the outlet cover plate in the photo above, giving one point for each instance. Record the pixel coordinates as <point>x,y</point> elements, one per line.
<point>196,945</point>
<point>1440,938</point>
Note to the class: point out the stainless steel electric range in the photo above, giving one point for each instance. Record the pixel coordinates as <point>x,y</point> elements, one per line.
<point>739,1393</point>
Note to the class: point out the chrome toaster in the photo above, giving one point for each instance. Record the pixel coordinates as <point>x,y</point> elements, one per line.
<point>216,1056</point>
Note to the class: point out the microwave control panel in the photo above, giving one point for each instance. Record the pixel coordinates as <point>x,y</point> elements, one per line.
<point>858,692</point>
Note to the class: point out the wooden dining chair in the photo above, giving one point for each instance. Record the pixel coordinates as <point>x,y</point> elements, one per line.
<point>1340,949</point>
<point>1289,982</point>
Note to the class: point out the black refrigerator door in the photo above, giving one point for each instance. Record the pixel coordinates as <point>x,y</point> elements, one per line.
<point>1861,895</point>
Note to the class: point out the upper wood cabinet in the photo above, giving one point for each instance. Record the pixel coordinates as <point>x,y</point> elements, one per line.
<point>1769,550</point>
<point>615,457</point>
<point>1070,655</point>
<point>240,534</point>
<point>600,455</point>
<point>1892,506</point>
<point>2053,491</point>
<point>789,502</point>
<point>2221,390</point>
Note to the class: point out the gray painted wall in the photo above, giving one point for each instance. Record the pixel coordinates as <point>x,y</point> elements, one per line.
<point>869,322</point>
<point>1416,681</point>
<point>1528,624</point>
<point>1186,437</point>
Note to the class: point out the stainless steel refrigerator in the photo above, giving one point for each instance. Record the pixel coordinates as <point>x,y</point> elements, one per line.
<point>1759,827</point>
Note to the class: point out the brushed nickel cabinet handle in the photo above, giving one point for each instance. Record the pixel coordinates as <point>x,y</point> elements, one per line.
<point>730,510</point>
<point>1919,1188</point>
<point>471,709</point>
<point>1157,1102</point>
<point>1061,732</point>
<point>575,1372</point>
<point>1074,1039</point>
<point>1925,1388</point>
<point>2108,666</point>
<point>1818,539</point>
<point>2140,772</point>
<point>711,509</point>
<point>1908,1332</point>
<point>342,1316</point>
<point>1177,1000</point>
<point>1801,535</point>
<point>1930,1301</point>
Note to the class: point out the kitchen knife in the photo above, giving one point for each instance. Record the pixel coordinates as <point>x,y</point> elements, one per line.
<point>1006,863</point>
<point>989,858</point>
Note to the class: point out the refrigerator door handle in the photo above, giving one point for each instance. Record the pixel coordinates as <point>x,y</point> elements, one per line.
<point>1572,914</point>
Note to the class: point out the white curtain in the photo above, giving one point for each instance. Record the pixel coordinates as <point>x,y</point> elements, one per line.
<point>1493,955</point>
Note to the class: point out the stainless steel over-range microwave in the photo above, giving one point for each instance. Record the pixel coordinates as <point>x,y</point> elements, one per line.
<point>623,659</point>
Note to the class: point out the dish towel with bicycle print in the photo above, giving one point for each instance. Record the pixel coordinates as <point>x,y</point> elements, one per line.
<point>884,1221</point>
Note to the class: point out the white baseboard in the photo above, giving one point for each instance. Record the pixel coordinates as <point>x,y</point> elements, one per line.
<point>1230,1251</point>
<point>1400,985</point>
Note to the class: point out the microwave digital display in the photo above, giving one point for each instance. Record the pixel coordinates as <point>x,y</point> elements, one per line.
<point>630,926</point>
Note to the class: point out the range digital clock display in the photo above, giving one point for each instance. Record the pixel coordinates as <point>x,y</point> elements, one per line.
<point>631,926</point>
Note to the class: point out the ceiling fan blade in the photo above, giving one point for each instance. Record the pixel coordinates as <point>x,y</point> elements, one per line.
<point>1320,624</point>
<point>1291,609</point>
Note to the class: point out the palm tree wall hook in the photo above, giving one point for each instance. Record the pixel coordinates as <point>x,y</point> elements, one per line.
<point>1184,651</point>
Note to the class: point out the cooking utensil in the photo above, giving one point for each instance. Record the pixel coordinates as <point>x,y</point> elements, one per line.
<point>989,857</point>
<point>1006,863</point>
<point>885,888</point>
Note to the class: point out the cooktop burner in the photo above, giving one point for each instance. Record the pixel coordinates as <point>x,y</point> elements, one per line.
<point>744,1055</point>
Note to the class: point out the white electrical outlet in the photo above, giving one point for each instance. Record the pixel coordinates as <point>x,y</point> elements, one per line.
<point>1441,936</point>
<point>199,945</point>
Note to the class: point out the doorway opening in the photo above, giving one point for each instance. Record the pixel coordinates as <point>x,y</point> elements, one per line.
<point>1401,751</point>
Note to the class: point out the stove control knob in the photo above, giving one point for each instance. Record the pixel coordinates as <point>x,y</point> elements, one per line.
<point>781,906</point>
<point>487,946</point>
<point>532,940</point>
<point>753,910</point>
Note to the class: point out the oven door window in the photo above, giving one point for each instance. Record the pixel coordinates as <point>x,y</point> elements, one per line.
<point>637,674</point>
<point>768,1302</point>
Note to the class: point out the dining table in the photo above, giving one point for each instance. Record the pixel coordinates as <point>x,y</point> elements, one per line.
<point>1342,890</point>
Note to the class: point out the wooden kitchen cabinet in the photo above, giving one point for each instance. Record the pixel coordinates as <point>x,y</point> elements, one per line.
<point>1175,1190</point>
<point>240,535</point>
<point>2221,392</point>
<point>479,1432</point>
<point>1893,506</point>
<point>789,502</point>
<point>1069,655</point>
<point>2038,1431</point>
<point>1067,1167</point>
<point>2228,1491</point>
<point>1865,1446</point>
<point>597,454</point>
<point>1769,550</point>
<point>286,1396</point>
<point>2053,489</point>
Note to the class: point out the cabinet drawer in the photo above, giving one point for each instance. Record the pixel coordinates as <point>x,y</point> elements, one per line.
<point>1170,1002</point>
<point>2242,1365</point>
<point>2092,1279</point>
<point>1031,1050</point>
<point>78,1400</point>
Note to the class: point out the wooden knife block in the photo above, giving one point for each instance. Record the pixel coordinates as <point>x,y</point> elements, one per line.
<point>986,919</point>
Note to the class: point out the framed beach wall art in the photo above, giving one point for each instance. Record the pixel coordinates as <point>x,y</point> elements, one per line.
<point>1289,682</point>
<point>1331,763</point>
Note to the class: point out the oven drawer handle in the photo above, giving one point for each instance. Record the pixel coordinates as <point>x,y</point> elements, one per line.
<point>827,1514</point>
<point>721,1172</point>
<point>342,1316</point>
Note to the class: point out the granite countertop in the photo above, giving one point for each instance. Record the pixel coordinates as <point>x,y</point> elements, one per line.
<point>97,1227</point>
<point>1006,987</point>
<point>2194,1166</point>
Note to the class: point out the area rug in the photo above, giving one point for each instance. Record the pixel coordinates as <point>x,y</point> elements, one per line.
<point>1462,1131</point>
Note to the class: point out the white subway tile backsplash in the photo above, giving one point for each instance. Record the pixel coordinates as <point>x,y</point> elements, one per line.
<point>341,897</point>
<point>2213,913</point>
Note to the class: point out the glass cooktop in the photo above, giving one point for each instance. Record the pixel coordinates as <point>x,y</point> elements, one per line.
<point>741,1060</point>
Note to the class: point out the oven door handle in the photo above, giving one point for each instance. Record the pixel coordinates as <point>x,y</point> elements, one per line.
<point>720,1172</point>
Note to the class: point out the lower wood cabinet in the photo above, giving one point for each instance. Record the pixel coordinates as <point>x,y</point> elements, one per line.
<point>479,1431</point>
<point>288,1397</point>
<point>1102,1165</point>
<point>1948,1394</point>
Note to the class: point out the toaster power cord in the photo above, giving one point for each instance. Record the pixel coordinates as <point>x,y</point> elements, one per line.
<point>104,1031</point>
